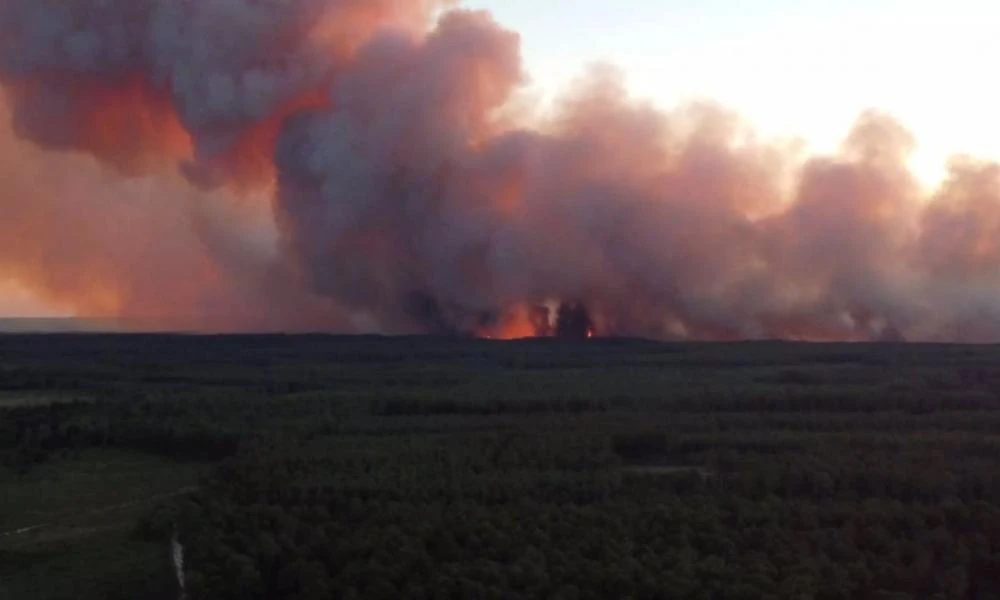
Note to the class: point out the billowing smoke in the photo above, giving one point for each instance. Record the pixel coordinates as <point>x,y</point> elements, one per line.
<point>353,165</point>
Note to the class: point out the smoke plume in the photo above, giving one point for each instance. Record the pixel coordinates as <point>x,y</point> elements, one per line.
<point>363,165</point>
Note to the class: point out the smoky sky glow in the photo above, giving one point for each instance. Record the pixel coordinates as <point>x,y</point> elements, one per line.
<point>715,170</point>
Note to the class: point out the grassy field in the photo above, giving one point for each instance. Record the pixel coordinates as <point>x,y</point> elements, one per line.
<point>66,527</point>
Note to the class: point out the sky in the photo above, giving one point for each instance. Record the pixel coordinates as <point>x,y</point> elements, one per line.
<point>17,302</point>
<point>804,68</point>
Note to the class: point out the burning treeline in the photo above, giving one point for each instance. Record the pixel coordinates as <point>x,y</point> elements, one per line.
<point>368,165</point>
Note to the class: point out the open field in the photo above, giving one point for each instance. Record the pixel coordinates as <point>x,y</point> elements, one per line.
<point>100,482</point>
<point>66,526</point>
<point>318,467</point>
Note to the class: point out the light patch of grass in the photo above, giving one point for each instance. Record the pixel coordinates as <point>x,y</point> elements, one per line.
<point>10,399</point>
<point>668,470</point>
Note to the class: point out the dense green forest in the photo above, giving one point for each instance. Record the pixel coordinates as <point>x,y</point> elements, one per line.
<point>313,467</point>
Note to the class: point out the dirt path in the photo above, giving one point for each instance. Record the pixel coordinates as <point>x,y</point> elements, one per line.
<point>668,470</point>
<point>23,530</point>
<point>64,519</point>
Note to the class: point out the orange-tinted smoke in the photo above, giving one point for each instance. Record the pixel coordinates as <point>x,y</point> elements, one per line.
<point>125,122</point>
<point>150,252</point>
<point>152,85</point>
<point>248,163</point>
<point>407,200</point>
<point>675,224</point>
<point>139,242</point>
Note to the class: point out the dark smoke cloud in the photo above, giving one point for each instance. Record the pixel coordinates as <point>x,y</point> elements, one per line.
<point>204,81</point>
<point>340,164</point>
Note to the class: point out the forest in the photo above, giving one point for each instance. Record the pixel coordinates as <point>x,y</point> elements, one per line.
<point>309,467</point>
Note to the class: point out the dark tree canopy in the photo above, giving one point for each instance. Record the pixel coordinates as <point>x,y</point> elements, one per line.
<point>456,468</point>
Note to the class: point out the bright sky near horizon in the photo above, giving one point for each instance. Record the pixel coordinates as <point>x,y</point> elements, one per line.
<point>17,303</point>
<point>791,67</point>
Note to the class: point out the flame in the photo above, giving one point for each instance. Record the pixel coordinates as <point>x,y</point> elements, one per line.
<point>527,321</point>
<point>517,324</point>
